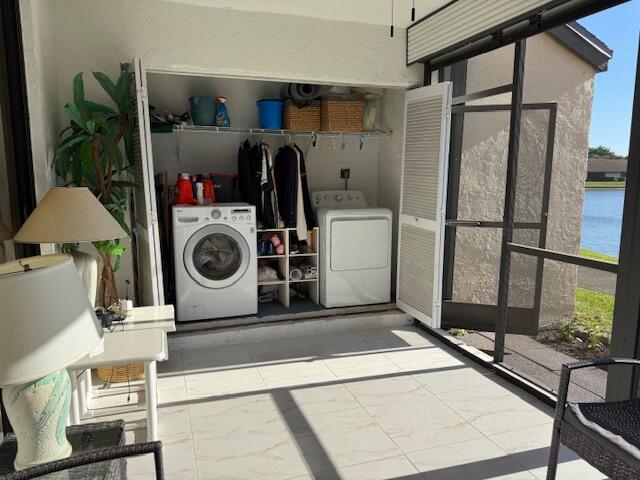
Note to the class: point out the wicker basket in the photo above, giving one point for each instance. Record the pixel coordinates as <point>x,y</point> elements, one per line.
<point>121,373</point>
<point>305,119</point>
<point>342,114</point>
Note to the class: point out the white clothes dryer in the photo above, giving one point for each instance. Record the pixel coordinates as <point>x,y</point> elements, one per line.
<point>355,249</point>
<point>216,265</point>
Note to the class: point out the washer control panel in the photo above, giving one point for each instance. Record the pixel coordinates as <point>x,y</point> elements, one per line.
<point>225,213</point>
<point>338,199</point>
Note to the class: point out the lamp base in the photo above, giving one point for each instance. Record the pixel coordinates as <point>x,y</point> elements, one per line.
<point>38,413</point>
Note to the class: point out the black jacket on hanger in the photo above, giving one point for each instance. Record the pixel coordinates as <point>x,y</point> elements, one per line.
<point>246,174</point>
<point>285,169</point>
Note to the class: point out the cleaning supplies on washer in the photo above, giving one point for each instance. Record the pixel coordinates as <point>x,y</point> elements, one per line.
<point>199,193</point>
<point>208,193</point>
<point>184,193</point>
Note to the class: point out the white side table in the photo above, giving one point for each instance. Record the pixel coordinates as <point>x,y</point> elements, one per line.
<point>146,346</point>
<point>158,316</point>
<point>161,316</point>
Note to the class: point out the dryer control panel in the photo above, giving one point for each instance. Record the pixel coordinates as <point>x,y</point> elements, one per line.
<point>338,199</point>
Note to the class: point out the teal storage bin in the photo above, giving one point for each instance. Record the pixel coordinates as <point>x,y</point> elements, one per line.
<point>270,114</point>
<point>203,110</point>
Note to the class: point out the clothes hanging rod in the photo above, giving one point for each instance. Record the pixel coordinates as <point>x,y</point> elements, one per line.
<point>262,131</point>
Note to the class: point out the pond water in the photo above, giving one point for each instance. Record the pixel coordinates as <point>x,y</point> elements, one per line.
<point>602,220</point>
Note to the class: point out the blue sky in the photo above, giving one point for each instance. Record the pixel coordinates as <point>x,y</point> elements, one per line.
<point>619,28</point>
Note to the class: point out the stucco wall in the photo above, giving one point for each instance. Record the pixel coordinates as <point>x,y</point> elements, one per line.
<point>552,74</point>
<point>64,37</point>
<point>39,44</point>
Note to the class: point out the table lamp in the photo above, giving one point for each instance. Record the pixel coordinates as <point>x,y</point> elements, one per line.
<point>46,324</point>
<point>72,215</point>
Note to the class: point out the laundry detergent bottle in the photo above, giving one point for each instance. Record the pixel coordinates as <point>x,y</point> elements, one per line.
<point>209,193</point>
<point>184,192</point>
<point>222,114</point>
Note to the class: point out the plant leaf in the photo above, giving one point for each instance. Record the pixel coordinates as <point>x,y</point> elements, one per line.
<point>107,85</point>
<point>75,116</point>
<point>123,89</point>
<point>78,96</point>
<point>94,107</point>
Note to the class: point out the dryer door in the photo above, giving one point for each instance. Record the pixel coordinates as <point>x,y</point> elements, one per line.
<point>360,243</point>
<point>216,256</point>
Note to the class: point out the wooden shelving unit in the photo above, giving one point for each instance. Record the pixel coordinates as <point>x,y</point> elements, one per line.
<point>283,264</point>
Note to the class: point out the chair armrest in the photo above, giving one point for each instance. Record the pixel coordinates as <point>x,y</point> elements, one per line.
<point>95,456</point>
<point>565,377</point>
<point>599,362</point>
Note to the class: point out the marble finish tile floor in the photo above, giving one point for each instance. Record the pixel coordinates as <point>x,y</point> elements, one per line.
<point>379,404</point>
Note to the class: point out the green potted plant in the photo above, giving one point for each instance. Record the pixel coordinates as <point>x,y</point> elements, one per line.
<point>89,154</point>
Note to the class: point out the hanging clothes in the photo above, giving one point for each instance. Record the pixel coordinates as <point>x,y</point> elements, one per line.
<point>301,220</point>
<point>270,213</point>
<point>286,180</point>
<point>246,174</point>
<point>306,197</point>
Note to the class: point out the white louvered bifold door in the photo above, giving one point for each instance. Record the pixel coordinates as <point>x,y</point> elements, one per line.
<point>422,202</point>
<point>146,232</point>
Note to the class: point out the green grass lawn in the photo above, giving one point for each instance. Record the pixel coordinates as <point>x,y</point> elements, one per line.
<point>593,315</point>
<point>593,312</point>
<point>597,256</point>
<point>606,184</point>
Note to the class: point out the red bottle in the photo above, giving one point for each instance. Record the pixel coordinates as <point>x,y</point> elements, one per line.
<point>184,190</point>
<point>209,192</point>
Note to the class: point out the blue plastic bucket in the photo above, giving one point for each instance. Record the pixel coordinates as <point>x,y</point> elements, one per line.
<point>270,113</point>
<point>203,110</point>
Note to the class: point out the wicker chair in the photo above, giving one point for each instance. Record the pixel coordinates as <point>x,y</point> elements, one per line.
<point>607,435</point>
<point>93,457</point>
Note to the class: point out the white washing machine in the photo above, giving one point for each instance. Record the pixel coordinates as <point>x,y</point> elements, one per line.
<point>355,249</point>
<point>216,265</point>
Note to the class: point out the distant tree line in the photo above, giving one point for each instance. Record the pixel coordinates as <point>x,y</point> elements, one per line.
<point>603,152</point>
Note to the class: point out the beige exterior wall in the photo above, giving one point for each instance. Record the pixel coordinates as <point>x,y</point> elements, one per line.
<point>64,37</point>
<point>552,74</point>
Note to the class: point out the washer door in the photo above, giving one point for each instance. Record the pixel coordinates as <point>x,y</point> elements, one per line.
<point>216,256</point>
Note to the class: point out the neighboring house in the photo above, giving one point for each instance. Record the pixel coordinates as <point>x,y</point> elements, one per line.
<point>600,168</point>
<point>560,67</point>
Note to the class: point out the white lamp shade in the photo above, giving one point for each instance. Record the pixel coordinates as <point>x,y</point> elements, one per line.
<point>5,233</point>
<point>47,322</point>
<point>69,215</point>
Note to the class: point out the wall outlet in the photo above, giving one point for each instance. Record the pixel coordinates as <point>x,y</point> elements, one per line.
<point>345,173</point>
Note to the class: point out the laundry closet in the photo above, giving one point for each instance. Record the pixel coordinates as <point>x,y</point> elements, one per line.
<point>271,269</point>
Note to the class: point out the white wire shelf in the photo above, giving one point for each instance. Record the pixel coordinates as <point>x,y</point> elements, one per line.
<point>263,131</point>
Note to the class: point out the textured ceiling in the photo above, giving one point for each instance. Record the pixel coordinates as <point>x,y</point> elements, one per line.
<point>377,12</point>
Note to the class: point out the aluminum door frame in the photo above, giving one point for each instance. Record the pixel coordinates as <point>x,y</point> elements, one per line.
<point>462,311</point>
